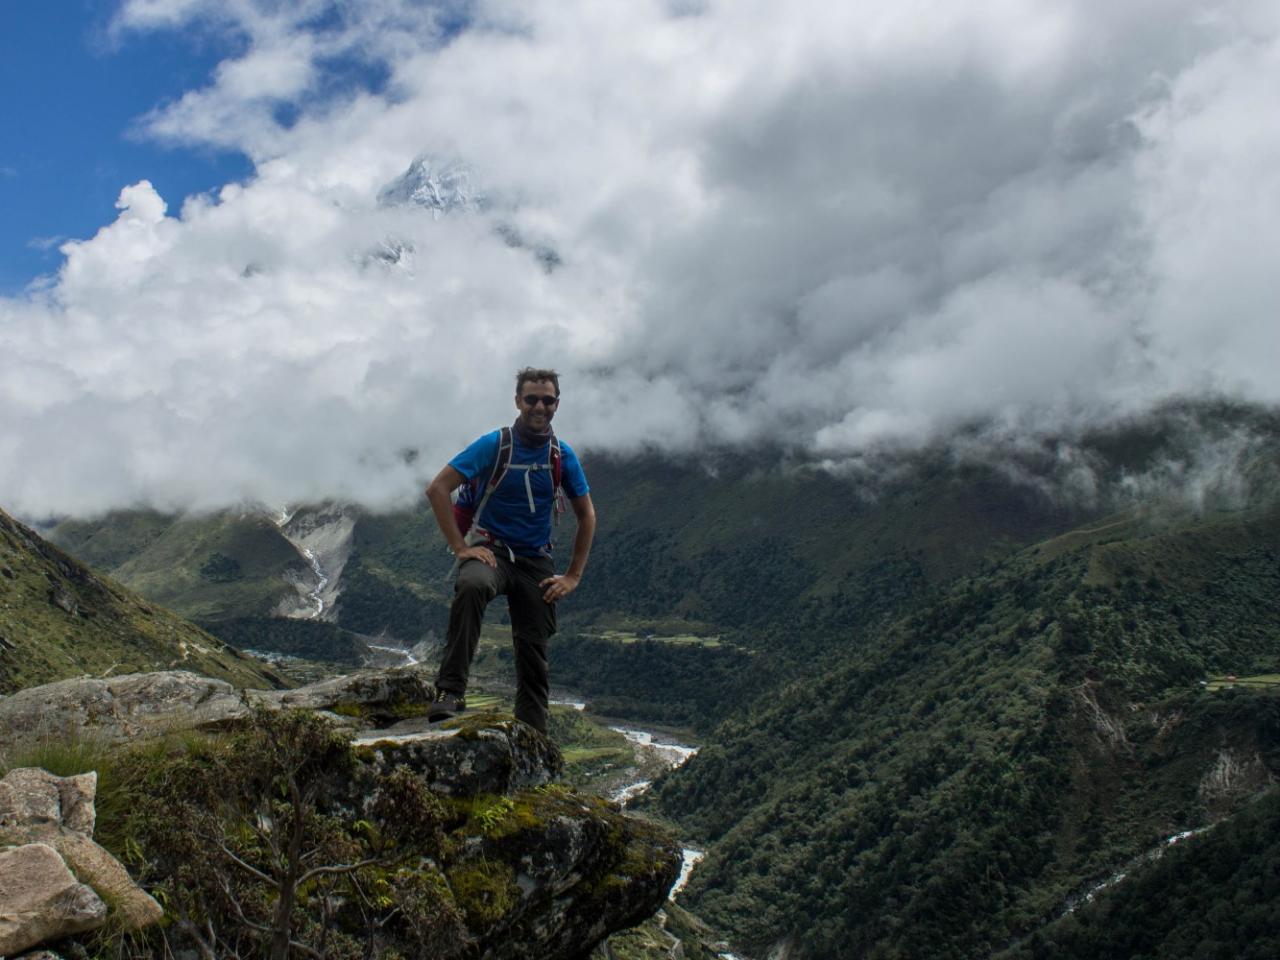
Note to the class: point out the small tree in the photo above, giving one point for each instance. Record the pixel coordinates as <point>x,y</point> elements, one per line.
<point>250,855</point>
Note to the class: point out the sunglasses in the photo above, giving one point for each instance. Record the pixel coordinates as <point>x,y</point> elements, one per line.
<point>532,399</point>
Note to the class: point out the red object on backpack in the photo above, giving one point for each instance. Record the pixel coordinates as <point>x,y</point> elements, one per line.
<point>463,517</point>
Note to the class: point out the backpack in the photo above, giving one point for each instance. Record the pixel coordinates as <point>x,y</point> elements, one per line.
<point>473,496</point>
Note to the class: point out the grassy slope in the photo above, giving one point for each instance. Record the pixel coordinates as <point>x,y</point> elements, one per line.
<point>394,582</point>
<point>954,776</point>
<point>208,568</point>
<point>58,620</point>
<point>226,571</point>
<point>106,542</point>
<point>174,569</point>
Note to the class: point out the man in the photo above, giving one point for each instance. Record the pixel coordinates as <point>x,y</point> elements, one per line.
<point>508,549</point>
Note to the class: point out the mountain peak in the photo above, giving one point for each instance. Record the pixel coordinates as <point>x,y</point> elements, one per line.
<point>439,184</point>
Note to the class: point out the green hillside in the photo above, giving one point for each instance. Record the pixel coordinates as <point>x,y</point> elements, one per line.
<point>208,568</point>
<point>226,571</point>
<point>950,779</point>
<point>215,568</point>
<point>58,619</point>
<point>229,571</point>
<point>106,542</point>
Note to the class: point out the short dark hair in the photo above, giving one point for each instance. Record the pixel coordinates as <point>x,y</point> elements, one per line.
<point>535,374</point>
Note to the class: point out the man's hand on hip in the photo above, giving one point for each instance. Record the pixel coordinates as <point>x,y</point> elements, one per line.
<point>483,554</point>
<point>557,588</point>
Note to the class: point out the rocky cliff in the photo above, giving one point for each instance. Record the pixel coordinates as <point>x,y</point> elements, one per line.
<point>315,822</point>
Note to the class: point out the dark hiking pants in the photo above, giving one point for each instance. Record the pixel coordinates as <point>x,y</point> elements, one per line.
<point>533,621</point>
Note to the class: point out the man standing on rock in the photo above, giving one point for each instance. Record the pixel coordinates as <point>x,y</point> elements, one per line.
<point>500,532</point>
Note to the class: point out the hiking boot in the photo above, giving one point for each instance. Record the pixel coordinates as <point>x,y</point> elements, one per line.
<point>445,705</point>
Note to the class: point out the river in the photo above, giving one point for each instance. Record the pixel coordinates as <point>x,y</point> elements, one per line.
<point>669,755</point>
<point>666,754</point>
<point>409,659</point>
<point>1155,853</point>
<point>316,596</point>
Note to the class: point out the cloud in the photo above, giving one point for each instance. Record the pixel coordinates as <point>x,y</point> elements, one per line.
<point>833,228</point>
<point>46,243</point>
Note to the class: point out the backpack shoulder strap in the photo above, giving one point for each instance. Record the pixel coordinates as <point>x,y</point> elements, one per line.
<point>556,458</point>
<point>502,462</point>
<point>469,519</point>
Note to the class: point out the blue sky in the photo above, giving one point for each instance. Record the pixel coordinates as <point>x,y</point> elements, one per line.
<point>71,98</point>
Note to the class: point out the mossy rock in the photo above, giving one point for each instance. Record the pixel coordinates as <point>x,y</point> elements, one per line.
<point>484,892</point>
<point>473,755</point>
<point>581,866</point>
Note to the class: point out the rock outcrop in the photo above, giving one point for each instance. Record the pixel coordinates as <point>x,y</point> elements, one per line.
<point>117,709</point>
<point>505,863</point>
<point>481,753</point>
<point>573,870</point>
<point>550,872</point>
<point>33,799</point>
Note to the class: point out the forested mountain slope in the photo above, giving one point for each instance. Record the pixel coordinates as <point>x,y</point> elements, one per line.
<point>58,619</point>
<point>679,545</point>
<point>946,782</point>
<point>691,540</point>
<point>1211,895</point>
<point>766,554</point>
<point>943,694</point>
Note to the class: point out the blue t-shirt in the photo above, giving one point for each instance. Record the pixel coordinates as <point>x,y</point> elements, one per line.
<point>507,515</point>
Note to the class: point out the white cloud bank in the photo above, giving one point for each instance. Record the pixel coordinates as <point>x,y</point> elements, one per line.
<point>842,226</point>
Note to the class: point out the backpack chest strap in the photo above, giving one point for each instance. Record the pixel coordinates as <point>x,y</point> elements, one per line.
<point>529,469</point>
